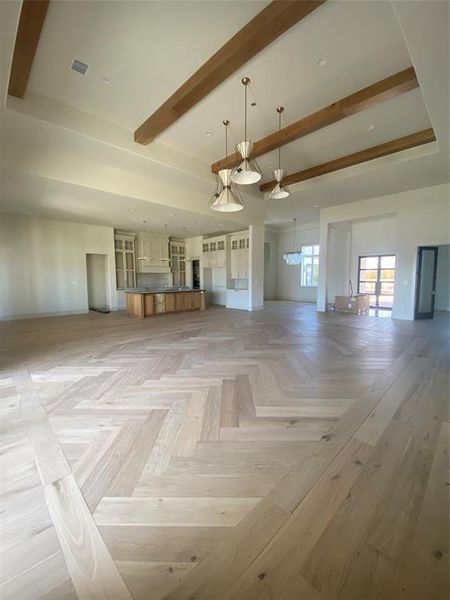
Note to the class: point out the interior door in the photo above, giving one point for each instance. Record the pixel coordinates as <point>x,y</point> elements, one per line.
<point>376,277</point>
<point>426,282</point>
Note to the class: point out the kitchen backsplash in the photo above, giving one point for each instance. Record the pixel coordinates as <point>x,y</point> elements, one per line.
<point>154,279</point>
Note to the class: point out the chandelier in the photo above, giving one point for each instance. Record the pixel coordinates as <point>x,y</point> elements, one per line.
<point>227,197</point>
<point>279,191</point>
<point>294,257</point>
<point>248,171</point>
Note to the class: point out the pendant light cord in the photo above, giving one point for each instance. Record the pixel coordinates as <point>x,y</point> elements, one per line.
<point>294,228</point>
<point>226,141</point>
<point>279,147</point>
<point>245,113</point>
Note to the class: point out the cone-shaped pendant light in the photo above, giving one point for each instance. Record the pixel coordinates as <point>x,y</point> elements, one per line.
<point>248,171</point>
<point>226,198</point>
<point>279,191</point>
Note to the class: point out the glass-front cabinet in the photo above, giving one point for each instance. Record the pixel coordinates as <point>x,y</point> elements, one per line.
<point>124,246</point>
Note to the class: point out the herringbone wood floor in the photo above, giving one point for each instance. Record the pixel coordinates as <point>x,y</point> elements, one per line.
<point>281,455</point>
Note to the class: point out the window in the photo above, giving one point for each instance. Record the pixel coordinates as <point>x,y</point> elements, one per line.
<point>310,266</point>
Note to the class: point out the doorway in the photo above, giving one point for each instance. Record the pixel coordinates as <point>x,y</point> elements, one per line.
<point>427,258</point>
<point>196,274</point>
<point>96,281</point>
<point>376,276</point>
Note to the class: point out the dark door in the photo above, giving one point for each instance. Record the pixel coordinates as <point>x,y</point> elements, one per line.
<point>376,277</point>
<point>426,282</point>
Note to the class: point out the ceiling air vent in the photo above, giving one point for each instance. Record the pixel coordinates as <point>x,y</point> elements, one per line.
<point>79,67</point>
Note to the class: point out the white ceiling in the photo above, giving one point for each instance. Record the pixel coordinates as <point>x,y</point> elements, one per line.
<point>36,196</point>
<point>148,49</point>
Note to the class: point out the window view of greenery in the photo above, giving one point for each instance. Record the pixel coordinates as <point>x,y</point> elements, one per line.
<point>310,266</point>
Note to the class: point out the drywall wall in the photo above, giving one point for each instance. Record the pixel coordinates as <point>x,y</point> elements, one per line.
<point>370,237</point>
<point>289,277</point>
<point>270,264</point>
<point>442,300</point>
<point>422,218</point>
<point>338,262</point>
<point>43,265</point>
<point>96,268</point>
<point>256,267</point>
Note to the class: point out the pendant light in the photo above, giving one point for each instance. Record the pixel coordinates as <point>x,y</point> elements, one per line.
<point>226,197</point>
<point>248,171</point>
<point>294,257</point>
<point>279,191</point>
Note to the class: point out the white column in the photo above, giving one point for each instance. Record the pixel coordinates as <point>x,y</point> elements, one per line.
<point>322,292</point>
<point>256,267</point>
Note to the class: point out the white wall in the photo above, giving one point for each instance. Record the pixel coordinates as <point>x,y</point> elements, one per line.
<point>43,265</point>
<point>338,261</point>
<point>422,218</point>
<point>270,264</point>
<point>256,267</point>
<point>288,277</point>
<point>371,236</point>
<point>442,300</point>
<point>96,267</point>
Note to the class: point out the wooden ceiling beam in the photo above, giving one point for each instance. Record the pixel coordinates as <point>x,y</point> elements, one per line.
<point>409,141</point>
<point>270,23</point>
<point>32,17</point>
<point>367,97</point>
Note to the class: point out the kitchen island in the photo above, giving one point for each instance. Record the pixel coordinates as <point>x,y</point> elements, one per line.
<point>144,302</point>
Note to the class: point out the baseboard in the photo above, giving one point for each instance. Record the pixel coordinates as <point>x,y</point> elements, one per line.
<point>61,313</point>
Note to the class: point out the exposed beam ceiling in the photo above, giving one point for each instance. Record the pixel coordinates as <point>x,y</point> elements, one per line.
<point>31,21</point>
<point>270,23</point>
<point>403,143</point>
<point>367,97</point>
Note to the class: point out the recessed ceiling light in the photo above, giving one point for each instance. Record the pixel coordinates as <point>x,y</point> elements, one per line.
<point>369,127</point>
<point>316,206</point>
<point>105,80</point>
<point>322,61</point>
<point>208,133</point>
<point>131,209</point>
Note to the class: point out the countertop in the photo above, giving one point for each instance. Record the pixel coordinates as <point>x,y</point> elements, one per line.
<point>173,290</point>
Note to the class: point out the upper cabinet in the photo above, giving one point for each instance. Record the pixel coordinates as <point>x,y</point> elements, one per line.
<point>178,262</point>
<point>124,246</point>
<point>214,252</point>
<point>239,255</point>
<point>152,253</point>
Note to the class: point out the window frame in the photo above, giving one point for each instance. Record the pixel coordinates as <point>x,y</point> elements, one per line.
<point>315,259</point>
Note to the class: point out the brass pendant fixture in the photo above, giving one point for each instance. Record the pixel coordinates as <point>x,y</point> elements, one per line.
<point>279,191</point>
<point>248,171</point>
<point>227,197</point>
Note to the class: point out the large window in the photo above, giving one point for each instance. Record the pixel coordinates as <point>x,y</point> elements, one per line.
<point>310,266</point>
<point>376,277</point>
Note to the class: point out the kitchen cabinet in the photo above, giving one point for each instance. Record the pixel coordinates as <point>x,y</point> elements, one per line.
<point>147,304</point>
<point>237,299</point>
<point>178,262</point>
<point>214,252</point>
<point>239,255</point>
<point>152,253</point>
<point>124,247</point>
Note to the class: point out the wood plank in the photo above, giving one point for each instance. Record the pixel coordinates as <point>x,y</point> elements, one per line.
<point>90,565</point>
<point>413,140</point>
<point>274,20</point>
<point>50,460</point>
<point>374,94</point>
<point>200,512</point>
<point>32,17</point>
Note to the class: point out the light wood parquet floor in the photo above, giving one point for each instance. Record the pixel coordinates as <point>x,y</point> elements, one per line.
<point>225,455</point>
